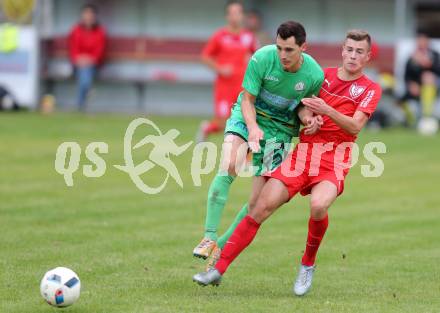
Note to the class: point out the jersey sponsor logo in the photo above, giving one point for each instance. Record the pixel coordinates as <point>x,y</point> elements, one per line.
<point>272,78</point>
<point>328,83</point>
<point>356,90</point>
<point>246,39</point>
<point>227,40</point>
<point>300,86</point>
<point>367,99</point>
<point>275,101</point>
<point>276,107</point>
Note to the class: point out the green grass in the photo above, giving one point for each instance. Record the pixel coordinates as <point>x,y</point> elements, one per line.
<point>132,251</point>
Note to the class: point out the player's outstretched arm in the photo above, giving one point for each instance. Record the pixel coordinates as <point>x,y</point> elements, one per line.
<point>351,125</point>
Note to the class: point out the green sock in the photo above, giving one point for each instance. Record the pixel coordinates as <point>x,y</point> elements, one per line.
<point>217,196</point>
<point>241,214</point>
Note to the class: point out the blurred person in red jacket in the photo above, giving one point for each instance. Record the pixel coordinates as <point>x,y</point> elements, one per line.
<point>86,50</point>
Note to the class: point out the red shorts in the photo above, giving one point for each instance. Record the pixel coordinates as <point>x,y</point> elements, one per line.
<point>225,95</point>
<point>313,162</point>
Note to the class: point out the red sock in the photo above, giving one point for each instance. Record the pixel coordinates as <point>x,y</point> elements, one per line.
<point>212,127</point>
<point>239,240</point>
<point>317,230</point>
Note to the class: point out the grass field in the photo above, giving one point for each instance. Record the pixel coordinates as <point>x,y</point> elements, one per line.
<point>132,251</point>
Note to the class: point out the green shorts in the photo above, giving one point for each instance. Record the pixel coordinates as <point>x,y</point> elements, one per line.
<point>274,146</point>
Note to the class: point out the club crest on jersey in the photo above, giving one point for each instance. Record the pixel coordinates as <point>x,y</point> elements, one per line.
<point>246,39</point>
<point>356,91</point>
<point>299,86</point>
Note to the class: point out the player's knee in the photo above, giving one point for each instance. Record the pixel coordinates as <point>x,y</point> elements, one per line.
<point>318,208</point>
<point>232,169</point>
<point>428,78</point>
<point>252,202</point>
<point>259,212</point>
<point>229,167</point>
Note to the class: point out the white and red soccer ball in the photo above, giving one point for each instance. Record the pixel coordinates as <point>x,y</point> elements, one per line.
<point>60,287</point>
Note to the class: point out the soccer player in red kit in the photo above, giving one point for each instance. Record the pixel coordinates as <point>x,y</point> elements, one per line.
<point>227,53</point>
<point>320,161</point>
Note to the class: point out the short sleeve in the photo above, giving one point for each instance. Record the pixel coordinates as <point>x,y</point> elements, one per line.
<point>316,85</point>
<point>254,45</point>
<point>369,102</point>
<point>253,77</point>
<point>212,46</point>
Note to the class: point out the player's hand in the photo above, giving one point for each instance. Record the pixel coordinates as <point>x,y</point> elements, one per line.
<point>225,70</point>
<point>317,105</point>
<point>313,124</point>
<point>255,135</point>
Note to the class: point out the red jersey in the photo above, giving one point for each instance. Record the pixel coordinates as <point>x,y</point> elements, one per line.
<point>346,97</point>
<point>91,41</point>
<point>232,49</point>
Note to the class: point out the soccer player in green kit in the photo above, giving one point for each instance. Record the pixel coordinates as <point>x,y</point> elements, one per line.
<point>267,111</point>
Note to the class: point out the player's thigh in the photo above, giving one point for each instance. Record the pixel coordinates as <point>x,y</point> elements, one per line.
<point>224,99</point>
<point>273,195</point>
<point>322,196</point>
<point>234,151</point>
<point>428,78</point>
<point>274,148</point>
<point>268,158</point>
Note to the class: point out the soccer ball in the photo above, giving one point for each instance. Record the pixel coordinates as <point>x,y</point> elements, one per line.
<point>427,126</point>
<point>60,287</point>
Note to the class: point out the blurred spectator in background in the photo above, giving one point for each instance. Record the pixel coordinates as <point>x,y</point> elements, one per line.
<point>227,53</point>
<point>422,74</point>
<point>254,23</point>
<point>86,50</point>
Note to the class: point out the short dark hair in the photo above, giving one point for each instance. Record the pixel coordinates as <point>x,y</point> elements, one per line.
<point>292,29</point>
<point>232,2</point>
<point>255,12</point>
<point>359,35</point>
<point>90,6</point>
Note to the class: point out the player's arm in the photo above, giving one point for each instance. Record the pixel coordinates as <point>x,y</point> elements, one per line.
<point>209,55</point>
<point>351,125</point>
<point>311,122</point>
<point>224,70</point>
<point>250,117</point>
<point>210,62</point>
<point>304,114</point>
<point>252,83</point>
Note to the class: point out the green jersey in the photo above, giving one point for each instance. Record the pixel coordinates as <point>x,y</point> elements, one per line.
<point>278,92</point>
